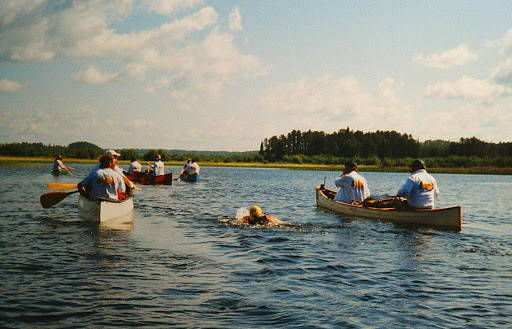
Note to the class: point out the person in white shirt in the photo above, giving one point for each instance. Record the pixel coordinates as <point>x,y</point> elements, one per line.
<point>420,189</point>
<point>352,186</point>
<point>119,170</point>
<point>103,182</point>
<point>59,166</point>
<point>192,168</point>
<point>157,168</point>
<point>135,166</point>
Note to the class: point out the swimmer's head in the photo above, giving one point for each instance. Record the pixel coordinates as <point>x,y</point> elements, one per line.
<point>256,211</point>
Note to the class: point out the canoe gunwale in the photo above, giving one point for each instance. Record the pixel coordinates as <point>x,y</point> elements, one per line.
<point>447,218</point>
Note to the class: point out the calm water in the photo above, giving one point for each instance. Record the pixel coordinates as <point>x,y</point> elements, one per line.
<point>180,264</point>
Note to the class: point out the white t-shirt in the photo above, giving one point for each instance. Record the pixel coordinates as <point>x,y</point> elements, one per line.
<point>353,188</point>
<point>134,166</point>
<point>158,168</point>
<point>192,169</point>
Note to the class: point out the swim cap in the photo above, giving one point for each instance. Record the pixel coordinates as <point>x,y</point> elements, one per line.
<point>256,211</point>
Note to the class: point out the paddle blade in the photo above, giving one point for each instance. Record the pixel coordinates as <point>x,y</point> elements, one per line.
<point>61,186</point>
<point>52,198</point>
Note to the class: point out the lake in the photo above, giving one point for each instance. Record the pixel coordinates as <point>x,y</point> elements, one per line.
<point>182,263</point>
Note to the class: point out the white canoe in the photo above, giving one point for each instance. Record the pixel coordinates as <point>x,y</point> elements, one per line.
<point>447,218</point>
<point>101,211</point>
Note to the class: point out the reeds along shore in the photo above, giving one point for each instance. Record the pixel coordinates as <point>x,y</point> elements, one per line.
<point>21,162</point>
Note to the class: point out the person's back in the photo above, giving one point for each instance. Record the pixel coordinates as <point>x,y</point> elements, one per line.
<point>420,188</point>
<point>58,164</point>
<point>134,166</point>
<point>192,168</point>
<point>158,168</point>
<point>103,182</point>
<point>352,186</point>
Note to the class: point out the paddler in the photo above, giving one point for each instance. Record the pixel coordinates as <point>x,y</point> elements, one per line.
<point>420,189</point>
<point>157,168</point>
<point>59,166</point>
<point>352,186</point>
<point>104,182</point>
<point>131,185</point>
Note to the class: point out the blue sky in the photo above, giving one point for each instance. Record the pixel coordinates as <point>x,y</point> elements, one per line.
<point>223,75</point>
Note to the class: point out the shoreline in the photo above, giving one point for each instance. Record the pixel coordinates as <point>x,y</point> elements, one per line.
<point>8,161</point>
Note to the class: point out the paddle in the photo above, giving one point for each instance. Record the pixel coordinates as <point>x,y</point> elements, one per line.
<point>52,198</point>
<point>61,186</point>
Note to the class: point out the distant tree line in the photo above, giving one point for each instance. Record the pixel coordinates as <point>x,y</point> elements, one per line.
<point>382,148</point>
<point>85,150</point>
<point>78,150</point>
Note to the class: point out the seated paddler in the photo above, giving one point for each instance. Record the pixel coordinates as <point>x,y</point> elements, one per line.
<point>352,186</point>
<point>104,182</point>
<point>419,190</point>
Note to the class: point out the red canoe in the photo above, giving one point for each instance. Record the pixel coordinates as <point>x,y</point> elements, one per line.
<point>148,179</point>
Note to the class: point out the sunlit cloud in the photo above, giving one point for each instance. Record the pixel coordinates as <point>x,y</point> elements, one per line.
<point>91,75</point>
<point>336,103</point>
<point>166,7</point>
<point>453,57</point>
<point>8,86</point>
<point>235,20</point>
<point>468,88</point>
<point>503,72</point>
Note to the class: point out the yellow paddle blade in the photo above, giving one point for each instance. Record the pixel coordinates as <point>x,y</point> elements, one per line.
<point>61,186</point>
<point>52,198</point>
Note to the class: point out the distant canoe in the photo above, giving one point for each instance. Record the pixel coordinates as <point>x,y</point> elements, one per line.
<point>101,210</point>
<point>148,179</point>
<point>59,172</point>
<point>190,178</point>
<point>447,218</point>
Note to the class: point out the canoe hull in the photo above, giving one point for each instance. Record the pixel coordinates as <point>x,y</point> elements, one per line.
<point>100,211</point>
<point>147,179</point>
<point>447,218</point>
<point>190,178</point>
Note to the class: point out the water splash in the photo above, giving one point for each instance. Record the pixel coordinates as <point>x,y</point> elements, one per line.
<point>242,212</point>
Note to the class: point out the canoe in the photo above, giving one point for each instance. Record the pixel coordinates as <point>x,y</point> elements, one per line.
<point>190,178</point>
<point>100,211</point>
<point>59,172</point>
<point>447,218</point>
<point>148,179</point>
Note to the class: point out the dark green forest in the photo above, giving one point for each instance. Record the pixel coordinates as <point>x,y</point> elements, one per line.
<point>379,148</point>
<point>382,148</point>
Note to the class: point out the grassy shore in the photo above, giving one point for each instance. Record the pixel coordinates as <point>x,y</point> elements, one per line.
<point>6,161</point>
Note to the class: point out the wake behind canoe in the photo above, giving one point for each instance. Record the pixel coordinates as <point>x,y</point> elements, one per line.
<point>447,218</point>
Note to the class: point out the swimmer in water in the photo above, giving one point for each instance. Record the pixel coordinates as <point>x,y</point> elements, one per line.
<point>258,217</point>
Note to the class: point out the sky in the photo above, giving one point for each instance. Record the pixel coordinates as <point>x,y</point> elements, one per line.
<point>223,75</point>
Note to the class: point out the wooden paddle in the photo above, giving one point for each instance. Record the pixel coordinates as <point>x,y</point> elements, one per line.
<point>61,186</point>
<point>52,198</point>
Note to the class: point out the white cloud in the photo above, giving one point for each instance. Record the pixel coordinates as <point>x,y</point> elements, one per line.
<point>503,72</point>
<point>468,88</point>
<point>333,103</point>
<point>235,20</point>
<point>73,125</point>
<point>166,7</point>
<point>12,9</point>
<point>167,55</point>
<point>91,75</point>
<point>505,42</point>
<point>453,57</point>
<point>8,86</point>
